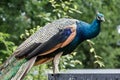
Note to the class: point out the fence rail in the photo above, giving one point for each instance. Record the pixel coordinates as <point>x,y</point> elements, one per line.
<point>89,74</point>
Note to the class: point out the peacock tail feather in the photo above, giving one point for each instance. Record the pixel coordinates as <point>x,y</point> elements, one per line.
<point>15,69</point>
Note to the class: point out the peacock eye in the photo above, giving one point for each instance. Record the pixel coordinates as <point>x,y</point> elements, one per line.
<point>98,17</point>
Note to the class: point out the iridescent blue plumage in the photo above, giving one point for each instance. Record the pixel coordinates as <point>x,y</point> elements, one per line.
<point>85,31</point>
<point>89,31</point>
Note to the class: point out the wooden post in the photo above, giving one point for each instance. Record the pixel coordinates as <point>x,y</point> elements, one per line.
<point>87,74</point>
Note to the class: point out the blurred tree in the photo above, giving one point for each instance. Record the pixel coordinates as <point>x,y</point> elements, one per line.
<point>26,16</point>
<point>6,46</point>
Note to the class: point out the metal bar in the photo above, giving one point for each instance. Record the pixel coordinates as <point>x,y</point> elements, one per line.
<point>87,74</point>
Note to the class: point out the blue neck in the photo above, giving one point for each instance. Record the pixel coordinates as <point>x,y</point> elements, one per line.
<point>84,31</point>
<point>92,30</point>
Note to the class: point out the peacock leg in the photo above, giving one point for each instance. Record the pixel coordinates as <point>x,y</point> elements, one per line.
<point>56,62</point>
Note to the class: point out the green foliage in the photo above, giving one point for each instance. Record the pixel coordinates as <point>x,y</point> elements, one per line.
<point>6,46</point>
<point>26,16</point>
<point>29,33</point>
<point>69,61</point>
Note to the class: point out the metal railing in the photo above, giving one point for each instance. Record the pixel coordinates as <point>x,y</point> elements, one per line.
<point>87,74</point>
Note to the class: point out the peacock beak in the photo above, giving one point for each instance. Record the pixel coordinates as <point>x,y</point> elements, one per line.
<point>103,19</point>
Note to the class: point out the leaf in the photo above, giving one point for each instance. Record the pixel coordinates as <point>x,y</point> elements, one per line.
<point>74,53</point>
<point>98,57</point>
<point>72,9</point>
<point>101,64</point>
<point>92,50</point>
<point>89,41</point>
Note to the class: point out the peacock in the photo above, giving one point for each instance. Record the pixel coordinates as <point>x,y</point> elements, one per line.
<point>49,43</point>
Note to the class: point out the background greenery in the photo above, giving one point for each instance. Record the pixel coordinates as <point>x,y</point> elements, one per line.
<point>21,18</point>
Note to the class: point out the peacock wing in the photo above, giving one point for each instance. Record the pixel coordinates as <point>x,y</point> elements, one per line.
<point>44,36</point>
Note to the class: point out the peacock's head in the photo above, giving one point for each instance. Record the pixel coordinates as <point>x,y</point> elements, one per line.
<point>100,17</point>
